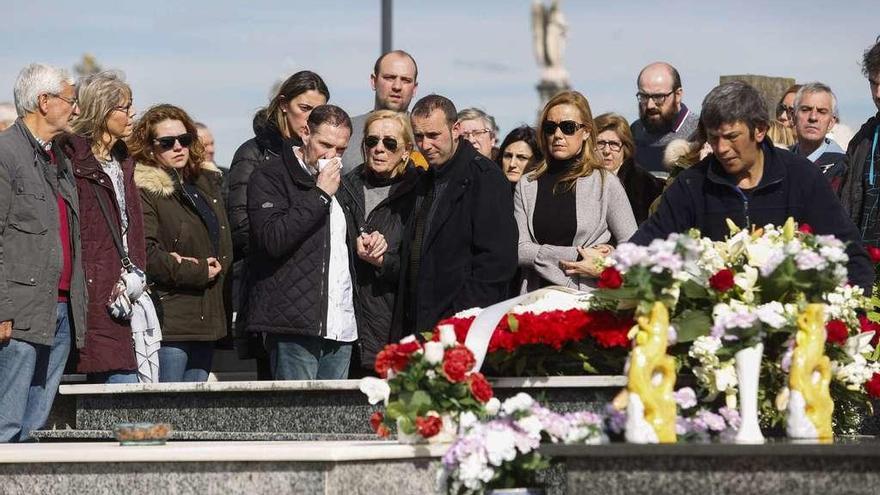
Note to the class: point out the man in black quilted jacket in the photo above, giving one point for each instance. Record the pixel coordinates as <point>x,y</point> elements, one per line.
<point>301,295</point>
<point>460,247</point>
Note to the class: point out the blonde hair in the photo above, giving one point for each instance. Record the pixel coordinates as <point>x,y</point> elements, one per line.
<point>405,129</point>
<point>617,124</point>
<point>98,95</point>
<point>589,161</point>
<point>780,135</point>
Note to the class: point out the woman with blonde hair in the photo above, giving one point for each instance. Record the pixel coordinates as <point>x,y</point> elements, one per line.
<point>377,197</point>
<point>189,249</point>
<point>110,210</point>
<point>569,210</point>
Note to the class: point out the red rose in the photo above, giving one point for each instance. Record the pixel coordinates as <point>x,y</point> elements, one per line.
<point>722,281</point>
<point>457,362</point>
<point>872,386</point>
<point>610,278</point>
<point>870,326</point>
<point>391,358</point>
<point>376,422</point>
<point>874,254</point>
<point>836,332</point>
<point>480,387</point>
<point>428,426</point>
<point>805,228</point>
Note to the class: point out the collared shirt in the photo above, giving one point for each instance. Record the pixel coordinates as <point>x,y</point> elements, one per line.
<point>817,153</point>
<point>341,324</point>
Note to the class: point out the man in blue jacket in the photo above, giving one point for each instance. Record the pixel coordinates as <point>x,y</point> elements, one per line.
<point>751,182</point>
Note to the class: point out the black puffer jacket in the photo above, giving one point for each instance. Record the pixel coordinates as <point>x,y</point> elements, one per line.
<point>289,253</point>
<point>377,287</point>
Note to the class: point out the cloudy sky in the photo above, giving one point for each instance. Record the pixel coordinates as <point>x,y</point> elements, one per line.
<point>218,58</point>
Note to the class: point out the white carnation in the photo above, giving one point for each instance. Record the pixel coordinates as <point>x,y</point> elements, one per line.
<point>433,352</point>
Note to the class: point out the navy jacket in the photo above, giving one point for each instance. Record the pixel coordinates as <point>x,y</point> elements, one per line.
<point>704,196</point>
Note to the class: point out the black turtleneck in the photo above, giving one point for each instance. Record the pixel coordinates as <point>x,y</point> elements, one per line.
<point>555,217</point>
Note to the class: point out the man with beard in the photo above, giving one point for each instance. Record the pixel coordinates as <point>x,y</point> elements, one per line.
<point>394,80</point>
<point>662,115</point>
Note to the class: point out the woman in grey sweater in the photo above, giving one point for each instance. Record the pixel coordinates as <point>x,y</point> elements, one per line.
<point>569,211</point>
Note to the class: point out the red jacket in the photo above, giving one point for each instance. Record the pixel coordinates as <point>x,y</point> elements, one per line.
<point>108,345</point>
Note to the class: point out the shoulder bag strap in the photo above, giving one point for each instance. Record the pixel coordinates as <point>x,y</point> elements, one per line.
<point>117,239</point>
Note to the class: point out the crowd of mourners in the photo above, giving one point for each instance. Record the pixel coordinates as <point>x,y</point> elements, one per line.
<point>124,248</point>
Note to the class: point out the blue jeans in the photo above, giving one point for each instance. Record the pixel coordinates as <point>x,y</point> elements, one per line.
<point>298,357</point>
<point>111,377</point>
<point>29,378</point>
<point>185,361</point>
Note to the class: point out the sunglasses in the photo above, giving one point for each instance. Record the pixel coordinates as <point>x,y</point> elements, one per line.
<point>167,142</point>
<point>389,142</point>
<point>568,127</point>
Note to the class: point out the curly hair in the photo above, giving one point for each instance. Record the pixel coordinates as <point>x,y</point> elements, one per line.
<point>140,144</point>
<point>871,60</point>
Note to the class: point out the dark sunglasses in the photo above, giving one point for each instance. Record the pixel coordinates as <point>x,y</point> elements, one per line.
<point>167,142</point>
<point>568,127</point>
<point>389,142</point>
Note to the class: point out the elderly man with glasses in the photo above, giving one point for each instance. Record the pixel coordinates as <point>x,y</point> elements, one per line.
<point>662,115</point>
<point>42,286</point>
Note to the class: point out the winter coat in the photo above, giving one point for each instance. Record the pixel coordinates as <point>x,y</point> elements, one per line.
<point>31,258</point>
<point>703,197</point>
<point>469,251</point>
<point>289,256</point>
<point>108,345</point>
<point>641,187</point>
<point>376,287</point>
<point>193,308</point>
<point>852,192</point>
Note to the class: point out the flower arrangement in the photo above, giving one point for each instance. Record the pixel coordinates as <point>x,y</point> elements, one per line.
<point>557,333</point>
<point>424,388</point>
<point>502,452</point>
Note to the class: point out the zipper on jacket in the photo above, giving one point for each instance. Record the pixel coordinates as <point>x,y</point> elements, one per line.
<point>322,330</point>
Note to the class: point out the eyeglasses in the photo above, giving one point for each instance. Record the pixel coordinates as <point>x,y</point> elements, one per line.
<point>782,108</point>
<point>167,142</point>
<point>70,101</point>
<point>125,109</point>
<point>658,98</point>
<point>389,142</point>
<point>568,127</point>
<point>473,134</point>
<point>612,145</point>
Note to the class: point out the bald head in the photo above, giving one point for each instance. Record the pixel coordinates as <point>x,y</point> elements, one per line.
<point>659,73</point>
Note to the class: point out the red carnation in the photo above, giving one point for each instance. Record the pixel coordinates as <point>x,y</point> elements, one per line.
<point>836,331</point>
<point>457,362</point>
<point>428,426</point>
<point>872,386</point>
<point>870,326</point>
<point>379,427</point>
<point>408,347</point>
<point>805,228</point>
<point>391,358</point>
<point>480,387</point>
<point>722,281</point>
<point>874,254</point>
<point>610,278</point>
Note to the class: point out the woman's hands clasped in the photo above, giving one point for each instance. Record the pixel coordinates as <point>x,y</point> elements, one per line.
<point>591,262</point>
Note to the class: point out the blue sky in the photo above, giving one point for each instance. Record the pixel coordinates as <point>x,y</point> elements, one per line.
<point>218,59</point>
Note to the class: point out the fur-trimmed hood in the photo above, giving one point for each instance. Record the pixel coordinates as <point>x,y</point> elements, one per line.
<point>680,153</point>
<point>158,181</point>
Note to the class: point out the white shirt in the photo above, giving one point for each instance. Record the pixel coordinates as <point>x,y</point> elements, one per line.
<point>341,325</point>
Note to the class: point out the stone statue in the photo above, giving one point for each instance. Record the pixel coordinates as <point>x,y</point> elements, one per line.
<point>549,31</point>
<point>87,66</point>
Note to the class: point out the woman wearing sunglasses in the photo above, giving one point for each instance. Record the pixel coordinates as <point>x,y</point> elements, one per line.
<point>377,199</point>
<point>189,249</point>
<point>105,181</point>
<point>569,209</point>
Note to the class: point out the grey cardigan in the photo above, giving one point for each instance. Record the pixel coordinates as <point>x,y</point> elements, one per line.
<point>603,214</point>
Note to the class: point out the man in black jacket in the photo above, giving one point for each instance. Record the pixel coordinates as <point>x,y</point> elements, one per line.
<point>751,182</point>
<point>301,296</point>
<point>460,248</point>
<point>861,187</point>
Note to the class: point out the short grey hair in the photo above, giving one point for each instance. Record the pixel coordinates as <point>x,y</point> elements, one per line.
<point>474,114</point>
<point>35,80</point>
<point>816,87</point>
<point>7,114</point>
<point>731,102</point>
